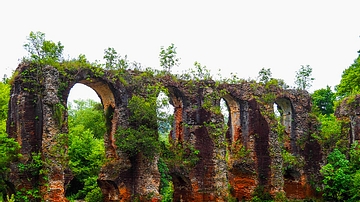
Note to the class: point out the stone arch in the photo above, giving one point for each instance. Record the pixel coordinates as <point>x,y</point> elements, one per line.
<point>177,100</point>
<point>294,179</point>
<point>115,180</point>
<point>234,122</point>
<point>164,111</point>
<point>181,181</point>
<point>285,109</point>
<point>241,165</point>
<point>106,95</point>
<point>105,92</point>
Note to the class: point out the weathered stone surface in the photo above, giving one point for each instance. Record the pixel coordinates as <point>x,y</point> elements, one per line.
<point>231,163</point>
<point>349,110</point>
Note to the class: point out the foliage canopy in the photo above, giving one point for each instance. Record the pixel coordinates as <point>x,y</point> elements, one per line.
<point>323,101</point>
<point>341,176</point>
<point>350,80</point>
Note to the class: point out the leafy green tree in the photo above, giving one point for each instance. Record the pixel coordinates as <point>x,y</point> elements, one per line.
<point>164,113</point>
<point>264,75</point>
<point>9,148</point>
<point>168,57</point>
<point>114,61</point>
<point>86,153</point>
<point>341,176</point>
<point>199,72</point>
<point>89,114</point>
<point>355,166</point>
<point>4,102</point>
<point>350,79</point>
<point>303,78</point>
<point>86,148</point>
<point>145,123</point>
<point>331,134</point>
<point>356,186</point>
<point>323,101</point>
<point>141,137</point>
<point>166,185</point>
<point>94,194</point>
<point>337,179</point>
<point>42,51</point>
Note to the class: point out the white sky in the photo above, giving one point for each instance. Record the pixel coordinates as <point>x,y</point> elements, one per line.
<point>234,36</point>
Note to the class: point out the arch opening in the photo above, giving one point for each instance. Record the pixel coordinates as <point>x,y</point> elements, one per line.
<point>165,119</point>
<point>284,113</point>
<point>224,110</point>
<point>90,113</point>
<point>165,116</point>
<point>82,91</point>
<point>230,109</point>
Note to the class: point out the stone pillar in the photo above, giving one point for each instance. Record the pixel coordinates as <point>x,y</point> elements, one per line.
<point>54,143</point>
<point>115,180</point>
<point>24,125</point>
<point>207,179</point>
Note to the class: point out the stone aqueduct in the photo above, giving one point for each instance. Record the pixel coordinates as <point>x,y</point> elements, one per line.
<point>37,121</point>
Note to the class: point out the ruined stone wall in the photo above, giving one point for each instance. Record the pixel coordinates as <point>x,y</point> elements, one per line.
<point>349,111</point>
<point>232,163</point>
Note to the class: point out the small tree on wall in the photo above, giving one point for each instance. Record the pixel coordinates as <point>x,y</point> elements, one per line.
<point>114,61</point>
<point>303,78</point>
<point>168,58</point>
<point>264,75</point>
<point>42,51</point>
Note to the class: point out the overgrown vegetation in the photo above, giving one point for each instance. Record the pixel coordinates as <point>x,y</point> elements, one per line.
<point>147,133</point>
<point>323,101</point>
<point>342,175</point>
<point>8,146</point>
<point>142,135</point>
<point>350,80</point>
<point>32,169</point>
<point>86,149</point>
